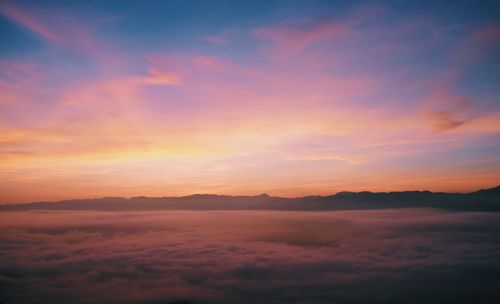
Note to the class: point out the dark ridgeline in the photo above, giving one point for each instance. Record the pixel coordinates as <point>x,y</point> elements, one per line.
<point>482,200</point>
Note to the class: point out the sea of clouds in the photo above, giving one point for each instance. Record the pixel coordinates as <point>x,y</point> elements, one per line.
<point>376,256</point>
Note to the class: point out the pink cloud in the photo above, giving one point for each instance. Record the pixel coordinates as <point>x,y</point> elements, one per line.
<point>291,38</point>
<point>63,29</point>
<point>121,89</point>
<point>31,21</point>
<point>19,75</point>
<point>489,35</point>
<point>217,40</point>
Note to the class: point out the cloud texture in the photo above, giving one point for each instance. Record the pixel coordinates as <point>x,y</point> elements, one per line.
<point>385,256</point>
<point>112,99</point>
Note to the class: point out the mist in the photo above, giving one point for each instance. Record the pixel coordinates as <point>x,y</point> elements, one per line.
<point>358,256</point>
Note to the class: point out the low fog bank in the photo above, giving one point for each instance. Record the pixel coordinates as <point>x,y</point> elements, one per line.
<point>375,256</point>
<point>482,200</point>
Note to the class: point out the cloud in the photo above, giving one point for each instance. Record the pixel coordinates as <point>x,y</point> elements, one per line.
<point>63,29</point>
<point>388,256</point>
<point>217,40</point>
<point>446,111</point>
<point>445,120</point>
<point>292,37</point>
<point>489,34</point>
<point>31,21</point>
<point>120,90</point>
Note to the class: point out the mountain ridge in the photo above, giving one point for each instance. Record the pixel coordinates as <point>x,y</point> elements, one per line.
<point>480,200</point>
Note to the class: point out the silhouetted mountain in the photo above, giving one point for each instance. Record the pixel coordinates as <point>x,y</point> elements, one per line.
<point>482,200</point>
<point>491,191</point>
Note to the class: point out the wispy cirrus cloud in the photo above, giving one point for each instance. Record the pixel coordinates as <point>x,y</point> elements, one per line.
<point>217,40</point>
<point>292,37</point>
<point>31,21</point>
<point>64,29</point>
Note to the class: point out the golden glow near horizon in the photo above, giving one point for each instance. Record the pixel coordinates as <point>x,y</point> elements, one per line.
<point>287,107</point>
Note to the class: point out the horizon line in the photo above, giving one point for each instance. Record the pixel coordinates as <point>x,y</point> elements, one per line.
<point>241,195</point>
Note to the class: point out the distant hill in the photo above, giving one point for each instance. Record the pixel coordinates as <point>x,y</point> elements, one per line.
<point>482,200</point>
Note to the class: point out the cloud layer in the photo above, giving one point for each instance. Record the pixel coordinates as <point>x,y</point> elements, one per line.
<point>385,256</point>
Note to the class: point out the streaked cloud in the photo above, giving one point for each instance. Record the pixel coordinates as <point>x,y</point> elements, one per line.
<point>292,37</point>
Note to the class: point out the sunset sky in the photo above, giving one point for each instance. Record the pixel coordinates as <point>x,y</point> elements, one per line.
<point>291,98</point>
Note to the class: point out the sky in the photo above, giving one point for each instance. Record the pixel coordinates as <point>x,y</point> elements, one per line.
<point>290,98</point>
